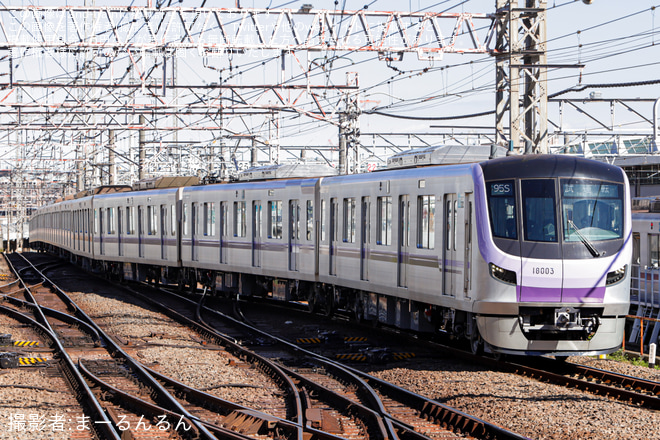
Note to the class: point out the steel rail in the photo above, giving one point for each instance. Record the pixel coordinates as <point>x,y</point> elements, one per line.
<point>83,393</point>
<point>215,403</point>
<point>166,399</point>
<point>266,365</point>
<point>559,376</point>
<point>448,417</point>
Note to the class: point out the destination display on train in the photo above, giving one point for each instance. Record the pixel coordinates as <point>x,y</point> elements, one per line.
<point>501,188</point>
<point>590,190</point>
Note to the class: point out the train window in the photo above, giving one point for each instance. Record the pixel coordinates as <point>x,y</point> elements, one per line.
<point>310,219</point>
<point>223,219</point>
<point>384,207</point>
<point>502,209</point>
<point>275,219</point>
<point>455,223</point>
<point>130,220</point>
<point>185,219</point>
<point>163,221</point>
<point>450,224</point>
<point>212,207</point>
<point>591,209</point>
<point>349,220</point>
<point>152,220</point>
<point>322,220</point>
<point>538,203</point>
<point>96,221</point>
<point>149,220</point>
<point>173,219</point>
<point>426,222</point>
<point>653,250</point>
<point>239,219</point>
<point>294,218</point>
<point>111,220</point>
<point>209,219</point>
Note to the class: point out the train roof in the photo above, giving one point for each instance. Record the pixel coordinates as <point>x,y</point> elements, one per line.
<point>550,165</point>
<point>164,182</point>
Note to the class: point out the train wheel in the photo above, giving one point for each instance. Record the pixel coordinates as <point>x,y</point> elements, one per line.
<point>476,343</point>
<point>329,308</point>
<point>193,283</point>
<point>498,356</point>
<point>181,281</point>
<point>312,304</point>
<point>358,310</point>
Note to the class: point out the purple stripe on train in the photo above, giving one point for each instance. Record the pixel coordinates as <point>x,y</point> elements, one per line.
<point>582,295</point>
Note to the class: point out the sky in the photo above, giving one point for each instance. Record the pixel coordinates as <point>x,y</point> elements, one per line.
<point>615,41</point>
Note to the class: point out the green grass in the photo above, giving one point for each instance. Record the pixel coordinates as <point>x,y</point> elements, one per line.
<point>620,356</point>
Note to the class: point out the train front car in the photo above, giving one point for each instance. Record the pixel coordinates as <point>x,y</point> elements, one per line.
<point>555,232</point>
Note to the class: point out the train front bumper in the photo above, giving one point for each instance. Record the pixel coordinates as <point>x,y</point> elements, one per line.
<point>506,334</point>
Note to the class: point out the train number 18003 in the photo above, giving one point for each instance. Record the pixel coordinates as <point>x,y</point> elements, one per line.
<point>543,270</point>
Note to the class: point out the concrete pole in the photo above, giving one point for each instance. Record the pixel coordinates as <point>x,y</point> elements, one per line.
<point>142,153</point>
<point>253,154</point>
<point>342,145</point>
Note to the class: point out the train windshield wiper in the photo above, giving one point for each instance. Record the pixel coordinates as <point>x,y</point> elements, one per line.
<point>588,244</point>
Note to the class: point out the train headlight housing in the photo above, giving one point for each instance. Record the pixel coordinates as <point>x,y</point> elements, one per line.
<point>615,276</point>
<point>504,275</point>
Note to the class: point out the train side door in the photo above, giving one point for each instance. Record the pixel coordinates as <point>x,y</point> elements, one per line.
<point>194,228</point>
<point>163,232</point>
<point>75,229</point>
<point>140,219</point>
<point>467,237</point>
<point>365,240</point>
<point>120,232</point>
<point>449,262</point>
<point>333,236</point>
<point>294,234</point>
<point>101,231</point>
<point>256,233</point>
<point>223,232</point>
<point>404,240</point>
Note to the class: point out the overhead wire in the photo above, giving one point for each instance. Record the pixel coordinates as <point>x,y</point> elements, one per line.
<point>416,103</point>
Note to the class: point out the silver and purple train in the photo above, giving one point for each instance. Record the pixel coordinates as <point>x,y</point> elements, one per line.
<point>522,255</point>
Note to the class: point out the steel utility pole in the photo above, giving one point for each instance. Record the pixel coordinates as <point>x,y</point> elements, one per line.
<point>521,44</point>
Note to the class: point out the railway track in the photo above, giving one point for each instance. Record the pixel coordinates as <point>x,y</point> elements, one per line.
<point>377,409</point>
<point>617,386</point>
<point>231,421</point>
<point>335,401</point>
<point>80,339</point>
<point>624,388</point>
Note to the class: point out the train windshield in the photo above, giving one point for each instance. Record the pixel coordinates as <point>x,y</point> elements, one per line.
<point>591,210</point>
<point>538,204</point>
<point>502,207</point>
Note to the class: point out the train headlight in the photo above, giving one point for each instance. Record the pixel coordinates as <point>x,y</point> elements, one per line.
<point>615,276</point>
<point>504,275</point>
